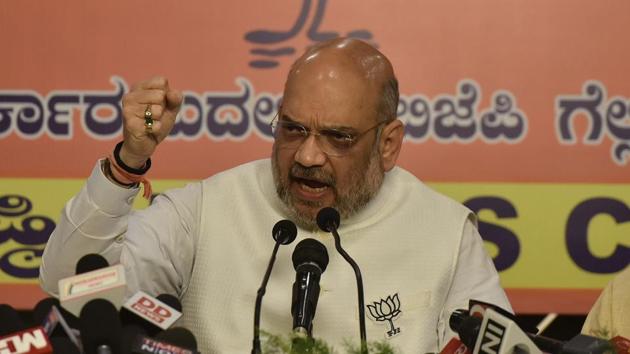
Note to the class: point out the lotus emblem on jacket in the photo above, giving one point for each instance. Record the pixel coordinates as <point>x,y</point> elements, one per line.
<point>386,310</point>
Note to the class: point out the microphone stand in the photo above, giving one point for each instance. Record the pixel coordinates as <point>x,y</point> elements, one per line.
<point>259,295</point>
<point>357,274</point>
<point>284,232</point>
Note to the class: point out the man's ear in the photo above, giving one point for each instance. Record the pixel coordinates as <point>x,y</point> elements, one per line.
<point>390,143</point>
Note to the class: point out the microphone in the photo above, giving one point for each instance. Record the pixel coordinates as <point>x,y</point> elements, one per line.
<point>478,308</point>
<point>10,320</point>
<point>621,344</point>
<point>455,346</point>
<point>27,341</point>
<point>106,283</point>
<point>466,326</point>
<point>178,336</point>
<point>310,259</point>
<point>150,313</point>
<point>90,262</point>
<point>176,340</point>
<point>171,300</point>
<point>100,328</point>
<point>583,344</point>
<point>62,345</point>
<point>284,232</point>
<point>328,220</point>
<point>56,321</point>
<point>497,333</point>
<point>129,336</point>
<point>17,338</point>
<point>494,331</point>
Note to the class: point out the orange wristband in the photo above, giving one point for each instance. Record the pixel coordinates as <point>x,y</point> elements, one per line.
<point>125,177</point>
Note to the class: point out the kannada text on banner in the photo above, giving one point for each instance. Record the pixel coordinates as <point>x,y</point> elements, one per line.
<point>520,110</point>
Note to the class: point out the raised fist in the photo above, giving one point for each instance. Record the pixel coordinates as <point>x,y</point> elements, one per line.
<point>153,95</point>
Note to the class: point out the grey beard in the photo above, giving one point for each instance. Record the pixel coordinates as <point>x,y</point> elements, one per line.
<point>359,194</point>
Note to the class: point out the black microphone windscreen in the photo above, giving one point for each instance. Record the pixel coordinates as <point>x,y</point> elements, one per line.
<point>42,309</point>
<point>456,319</point>
<point>178,336</point>
<point>310,251</point>
<point>469,330</point>
<point>328,219</point>
<point>128,337</point>
<point>71,319</point>
<point>284,231</point>
<point>171,301</point>
<point>63,345</point>
<point>10,320</point>
<point>130,319</point>
<point>99,325</point>
<point>91,262</point>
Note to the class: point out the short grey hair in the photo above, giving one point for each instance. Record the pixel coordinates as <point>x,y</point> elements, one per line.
<point>388,104</point>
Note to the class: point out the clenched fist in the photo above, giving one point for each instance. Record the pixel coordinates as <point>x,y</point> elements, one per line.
<point>164,103</point>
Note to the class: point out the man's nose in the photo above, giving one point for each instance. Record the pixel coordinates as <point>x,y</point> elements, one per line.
<point>309,153</point>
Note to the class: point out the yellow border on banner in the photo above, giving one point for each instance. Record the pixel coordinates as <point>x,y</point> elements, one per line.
<point>543,211</point>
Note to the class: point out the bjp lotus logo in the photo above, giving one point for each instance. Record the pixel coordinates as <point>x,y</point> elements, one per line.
<point>386,310</point>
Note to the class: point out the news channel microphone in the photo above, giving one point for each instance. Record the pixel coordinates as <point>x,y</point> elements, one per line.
<point>583,344</point>
<point>17,338</point>
<point>63,345</point>
<point>104,282</point>
<point>466,326</point>
<point>328,220</point>
<point>310,260</point>
<point>497,333</point>
<point>57,322</point>
<point>100,328</point>
<point>53,317</point>
<point>283,233</point>
<point>494,333</point>
<point>580,344</point>
<point>150,313</point>
<point>176,340</point>
<point>10,320</point>
<point>129,336</point>
<point>26,341</point>
<point>90,262</point>
<point>178,336</point>
<point>621,344</point>
<point>455,346</point>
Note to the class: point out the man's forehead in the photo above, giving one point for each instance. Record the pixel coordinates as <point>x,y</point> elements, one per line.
<point>330,104</point>
<point>319,122</point>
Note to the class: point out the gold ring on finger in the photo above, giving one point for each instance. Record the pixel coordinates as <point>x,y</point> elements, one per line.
<point>148,119</point>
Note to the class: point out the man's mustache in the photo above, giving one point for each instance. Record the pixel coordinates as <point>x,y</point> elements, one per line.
<point>312,173</point>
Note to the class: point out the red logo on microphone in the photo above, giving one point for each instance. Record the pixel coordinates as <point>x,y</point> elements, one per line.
<point>152,309</point>
<point>31,341</point>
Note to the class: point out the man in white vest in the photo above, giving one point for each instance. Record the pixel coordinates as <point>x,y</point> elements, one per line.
<point>337,140</point>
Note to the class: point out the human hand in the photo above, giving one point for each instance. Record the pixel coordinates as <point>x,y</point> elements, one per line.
<point>164,103</point>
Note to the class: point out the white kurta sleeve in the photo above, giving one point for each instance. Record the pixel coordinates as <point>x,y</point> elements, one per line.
<point>475,278</point>
<point>149,243</point>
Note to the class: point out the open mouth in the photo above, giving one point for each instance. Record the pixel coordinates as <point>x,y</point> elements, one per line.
<point>311,184</point>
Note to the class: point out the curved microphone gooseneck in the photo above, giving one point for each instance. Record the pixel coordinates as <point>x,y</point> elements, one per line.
<point>284,232</point>
<point>328,220</point>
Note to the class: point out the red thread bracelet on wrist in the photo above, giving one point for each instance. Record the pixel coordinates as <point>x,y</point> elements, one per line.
<point>123,175</point>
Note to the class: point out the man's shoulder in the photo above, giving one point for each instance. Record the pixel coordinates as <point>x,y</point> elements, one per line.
<point>417,189</point>
<point>249,170</point>
<point>621,283</point>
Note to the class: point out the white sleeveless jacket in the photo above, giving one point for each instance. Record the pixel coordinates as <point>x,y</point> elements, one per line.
<point>406,243</point>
